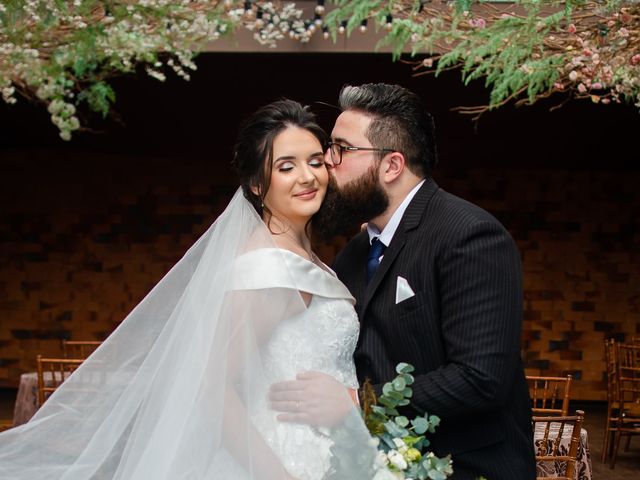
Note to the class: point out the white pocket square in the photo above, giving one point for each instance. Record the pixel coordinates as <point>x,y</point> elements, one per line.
<point>403,290</point>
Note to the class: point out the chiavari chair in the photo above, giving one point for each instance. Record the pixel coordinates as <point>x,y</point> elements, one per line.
<point>628,394</point>
<point>78,348</point>
<point>610,355</point>
<point>551,451</point>
<point>52,372</point>
<point>550,395</point>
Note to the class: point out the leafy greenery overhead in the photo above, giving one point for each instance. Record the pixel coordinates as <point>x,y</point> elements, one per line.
<point>63,53</point>
<point>525,50</point>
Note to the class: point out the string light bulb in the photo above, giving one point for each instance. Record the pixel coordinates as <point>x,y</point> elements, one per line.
<point>248,11</point>
<point>389,23</point>
<point>320,7</point>
<point>325,33</point>
<point>259,21</point>
<point>343,27</point>
<point>363,26</point>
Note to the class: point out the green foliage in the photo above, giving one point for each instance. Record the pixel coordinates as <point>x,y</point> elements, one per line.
<point>525,53</point>
<point>63,53</point>
<point>99,96</point>
<point>399,435</point>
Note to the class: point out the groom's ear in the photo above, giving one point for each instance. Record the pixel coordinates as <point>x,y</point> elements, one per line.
<point>393,166</point>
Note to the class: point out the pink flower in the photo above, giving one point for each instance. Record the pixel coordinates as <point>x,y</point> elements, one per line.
<point>572,28</point>
<point>573,76</point>
<point>582,88</point>
<point>428,62</point>
<point>596,86</point>
<point>635,59</point>
<point>587,52</point>
<point>605,101</point>
<point>558,86</point>
<point>478,22</point>
<point>623,32</point>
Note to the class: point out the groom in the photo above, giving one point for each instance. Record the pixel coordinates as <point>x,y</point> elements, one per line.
<point>437,282</point>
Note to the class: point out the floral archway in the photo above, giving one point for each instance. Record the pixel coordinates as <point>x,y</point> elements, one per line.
<point>63,53</point>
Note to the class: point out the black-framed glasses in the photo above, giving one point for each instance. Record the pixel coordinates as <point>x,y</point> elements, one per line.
<point>336,150</point>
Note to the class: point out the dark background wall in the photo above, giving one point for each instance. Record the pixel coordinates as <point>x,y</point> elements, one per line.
<point>88,227</point>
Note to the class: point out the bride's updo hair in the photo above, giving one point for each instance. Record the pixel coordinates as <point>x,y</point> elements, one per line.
<point>253,151</point>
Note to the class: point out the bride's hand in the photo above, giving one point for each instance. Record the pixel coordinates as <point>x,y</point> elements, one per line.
<point>314,398</point>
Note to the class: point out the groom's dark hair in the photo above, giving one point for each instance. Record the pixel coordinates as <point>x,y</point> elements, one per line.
<point>400,122</point>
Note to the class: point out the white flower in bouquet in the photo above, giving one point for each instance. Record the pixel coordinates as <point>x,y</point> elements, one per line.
<point>381,459</point>
<point>397,460</point>
<point>400,445</point>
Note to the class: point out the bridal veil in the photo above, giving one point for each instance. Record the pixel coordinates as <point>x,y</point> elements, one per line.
<point>166,395</point>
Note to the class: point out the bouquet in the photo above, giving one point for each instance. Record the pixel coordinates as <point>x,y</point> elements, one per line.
<point>402,445</point>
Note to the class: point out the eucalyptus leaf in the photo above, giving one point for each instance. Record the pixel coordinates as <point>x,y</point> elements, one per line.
<point>402,421</point>
<point>420,425</point>
<point>399,384</point>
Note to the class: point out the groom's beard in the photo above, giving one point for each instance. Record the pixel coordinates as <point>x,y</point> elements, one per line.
<point>350,206</point>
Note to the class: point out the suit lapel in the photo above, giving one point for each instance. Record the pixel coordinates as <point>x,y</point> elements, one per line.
<point>410,220</point>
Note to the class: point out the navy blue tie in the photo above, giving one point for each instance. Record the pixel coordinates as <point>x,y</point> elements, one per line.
<point>373,259</point>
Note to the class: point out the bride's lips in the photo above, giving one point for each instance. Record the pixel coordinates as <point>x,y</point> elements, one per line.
<point>307,194</point>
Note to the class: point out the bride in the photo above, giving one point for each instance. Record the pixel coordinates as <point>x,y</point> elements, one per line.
<point>180,389</point>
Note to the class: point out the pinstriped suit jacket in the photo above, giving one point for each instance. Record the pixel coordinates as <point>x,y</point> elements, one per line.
<point>461,330</point>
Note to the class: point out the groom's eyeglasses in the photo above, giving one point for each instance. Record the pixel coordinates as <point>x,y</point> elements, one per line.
<point>336,150</point>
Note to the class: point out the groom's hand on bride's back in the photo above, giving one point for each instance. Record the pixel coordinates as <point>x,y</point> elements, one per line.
<point>314,398</point>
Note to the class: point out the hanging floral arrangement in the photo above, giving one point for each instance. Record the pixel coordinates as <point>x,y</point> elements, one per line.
<point>524,50</point>
<point>63,53</point>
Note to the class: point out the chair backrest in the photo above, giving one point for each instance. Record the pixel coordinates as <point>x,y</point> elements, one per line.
<point>611,369</point>
<point>628,379</point>
<point>78,348</point>
<point>556,443</point>
<point>550,395</point>
<point>52,372</point>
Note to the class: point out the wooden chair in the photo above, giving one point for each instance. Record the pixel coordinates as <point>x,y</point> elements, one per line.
<point>5,425</point>
<point>628,395</point>
<point>610,356</point>
<point>550,395</point>
<point>52,372</point>
<point>78,348</point>
<point>551,450</point>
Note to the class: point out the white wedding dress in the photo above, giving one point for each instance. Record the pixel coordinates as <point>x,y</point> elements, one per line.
<point>320,338</point>
<point>179,390</point>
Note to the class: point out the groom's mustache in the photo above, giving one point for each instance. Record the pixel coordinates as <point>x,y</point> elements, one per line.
<point>346,208</point>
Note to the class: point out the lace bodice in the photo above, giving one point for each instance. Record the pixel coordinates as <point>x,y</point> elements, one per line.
<point>321,338</point>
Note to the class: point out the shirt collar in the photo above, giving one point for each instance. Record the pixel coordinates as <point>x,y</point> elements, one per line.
<point>390,229</point>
